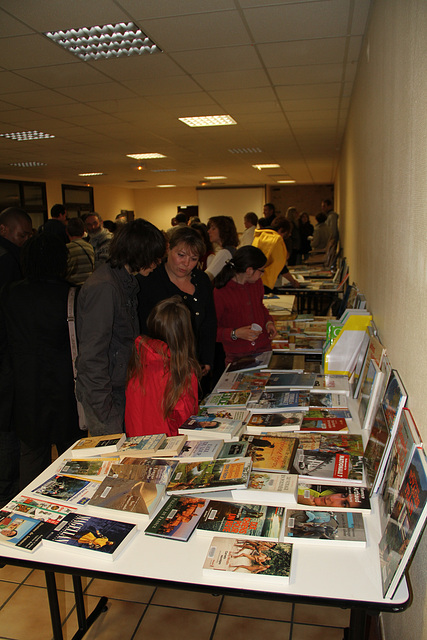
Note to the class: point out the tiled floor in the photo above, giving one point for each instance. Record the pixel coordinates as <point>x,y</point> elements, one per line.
<point>137,612</point>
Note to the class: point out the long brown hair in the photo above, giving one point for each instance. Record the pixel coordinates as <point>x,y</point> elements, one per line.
<point>169,322</point>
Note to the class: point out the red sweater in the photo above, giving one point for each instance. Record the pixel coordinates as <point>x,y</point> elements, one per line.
<point>144,412</point>
<point>239,305</point>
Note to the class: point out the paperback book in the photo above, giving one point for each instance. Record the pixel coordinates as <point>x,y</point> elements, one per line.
<point>286,362</point>
<point>325,425</point>
<point>242,381</point>
<point>22,532</point>
<point>68,489</point>
<point>205,427</point>
<point>331,383</point>
<point>216,475</point>
<point>236,399</point>
<point>268,488</point>
<point>178,518</point>
<point>265,561</point>
<point>200,450</point>
<point>233,519</point>
<point>329,400</point>
<point>98,445</point>
<point>337,497</point>
<point>91,536</point>
<point>234,450</point>
<point>375,449</point>
<point>325,527</point>
<point>170,447</point>
<point>324,412</point>
<point>128,493</point>
<point>148,469</point>
<point>51,512</point>
<point>88,467</point>
<point>141,446</point>
<point>251,361</point>
<point>262,422</point>
<point>290,380</point>
<point>271,453</point>
<point>280,401</point>
<point>220,413</point>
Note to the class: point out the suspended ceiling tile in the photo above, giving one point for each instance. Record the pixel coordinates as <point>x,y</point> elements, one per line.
<point>309,74</point>
<point>237,58</point>
<point>95,92</point>
<point>155,9</point>
<point>41,98</point>
<point>308,91</point>
<point>34,50</point>
<point>303,52</point>
<point>64,75</point>
<point>163,86</point>
<point>144,66</point>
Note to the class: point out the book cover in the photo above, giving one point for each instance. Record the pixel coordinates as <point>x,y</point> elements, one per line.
<point>281,401</point>
<point>334,458</point>
<point>242,557</point>
<point>336,497</point>
<point>290,380</point>
<point>132,495</point>
<point>251,361</point>
<point>327,527</point>
<point>261,422</point>
<point>200,450</point>
<point>89,535</point>
<point>97,445</point>
<point>234,450</point>
<point>220,413</point>
<point>332,384</point>
<point>375,448</point>
<point>271,453</point>
<point>205,427</point>
<point>286,362</point>
<point>51,512</point>
<point>405,525</point>
<point>394,399</point>
<point>22,532</point>
<point>268,488</point>
<point>324,412</point>
<point>242,381</point>
<point>68,489</point>
<point>147,469</point>
<point>328,400</point>
<point>233,519</point>
<point>87,467</point>
<point>170,447</point>
<point>236,399</point>
<point>178,518</point>
<point>325,425</point>
<point>141,446</point>
<point>217,475</point>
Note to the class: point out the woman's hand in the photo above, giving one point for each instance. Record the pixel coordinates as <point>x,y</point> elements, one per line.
<point>246,333</point>
<point>205,369</point>
<point>271,329</point>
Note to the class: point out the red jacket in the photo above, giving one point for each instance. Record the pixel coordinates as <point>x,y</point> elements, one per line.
<point>144,412</point>
<point>239,305</point>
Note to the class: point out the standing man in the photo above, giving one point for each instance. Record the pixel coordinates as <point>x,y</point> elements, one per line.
<point>57,224</point>
<point>99,238</point>
<point>81,257</point>
<point>331,220</point>
<point>15,229</point>
<point>272,243</point>
<point>269,213</point>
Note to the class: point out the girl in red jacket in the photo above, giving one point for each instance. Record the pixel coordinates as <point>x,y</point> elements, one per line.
<point>162,389</point>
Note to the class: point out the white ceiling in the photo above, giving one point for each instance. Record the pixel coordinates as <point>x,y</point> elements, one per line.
<point>283,70</point>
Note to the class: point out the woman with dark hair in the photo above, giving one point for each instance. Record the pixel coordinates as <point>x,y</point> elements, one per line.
<point>203,230</point>
<point>107,323</point>
<point>238,296</point>
<point>306,230</point>
<point>179,275</point>
<point>36,375</point>
<point>222,231</point>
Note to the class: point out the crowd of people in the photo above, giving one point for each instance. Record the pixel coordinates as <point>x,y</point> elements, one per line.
<point>158,316</point>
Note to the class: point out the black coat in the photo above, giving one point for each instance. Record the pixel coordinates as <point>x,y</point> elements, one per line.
<point>36,376</point>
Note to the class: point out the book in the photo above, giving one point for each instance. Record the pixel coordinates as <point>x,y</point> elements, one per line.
<point>234,450</point>
<point>325,425</point>
<point>141,446</point>
<point>51,512</point>
<point>324,412</point>
<point>393,400</point>
<point>369,396</point>
<point>263,560</point>
<point>327,527</point>
<point>375,449</point>
<point>336,497</point>
<point>331,383</point>
<point>155,470</point>
<point>261,422</point>
<point>91,536</point>
<point>268,488</point>
<point>170,447</point>
<point>271,453</point>
<point>300,344</point>
<point>205,427</point>
<point>221,413</point>
<point>233,519</point>
<point>290,380</point>
<point>251,361</point>
<point>286,362</point>
<point>88,467</point>
<point>405,525</point>
<point>178,518</point>
<point>70,489</point>
<point>200,450</point>
<point>97,445</point>
<point>127,491</point>
<point>22,532</point>
<point>280,401</point>
<point>330,459</point>
<point>236,399</point>
<point>216,475</point>
<point>241,381</point>
<point>328,400</point>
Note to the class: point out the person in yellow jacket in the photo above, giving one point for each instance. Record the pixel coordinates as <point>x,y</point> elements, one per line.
<point>271,241</point>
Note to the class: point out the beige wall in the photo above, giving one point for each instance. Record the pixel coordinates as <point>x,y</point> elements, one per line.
<point>381,193</point>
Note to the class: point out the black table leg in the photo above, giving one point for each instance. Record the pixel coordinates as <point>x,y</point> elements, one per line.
<point>52,595</point>
<point>85,622</point>
<point>357,629</point>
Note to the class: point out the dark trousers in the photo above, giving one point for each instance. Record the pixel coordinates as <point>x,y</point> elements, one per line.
<point>9,466</point>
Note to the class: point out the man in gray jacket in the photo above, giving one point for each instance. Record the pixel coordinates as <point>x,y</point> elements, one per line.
<point>107,324</point>
<point>99,238</point>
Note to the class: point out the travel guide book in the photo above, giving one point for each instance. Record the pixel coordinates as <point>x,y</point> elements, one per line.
<point>280,401</point>
<point>324,412</point>
<point>262,422</point>
<point>332,384</point>
<point>200,450</point>
<point>325,527</point>
<point>205,427</point>
<point>98,445</point>
<point>268,488</point>
<point>216,475</point>
<point>88,467</point>
<point>178,518</point>
<point>170,447</point>
<point>128,494</point>
<point>22,532</point>
<point>248,520</point>
<point>286,362</point>
<point>51,512</point>
<point>325,425</point>
<point>271,453</point>
<point>264,561</point>
<point>70,489</point>
<point>329,400</point>
<point>236,399</point>
<point>336,497</point>
<point>251,361</point>
<point>90,536</point>
<point>142,446</point>
<point>222,413</point>
<point>242,381</point>
<point>147,469</point>
<point>290,380</point>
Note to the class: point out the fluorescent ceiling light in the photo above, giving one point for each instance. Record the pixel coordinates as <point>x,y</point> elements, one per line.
<point>246,150</point>
<point>215,178</point>
<point>165,186</point>
<point>26,135</point>
<point>87,175</point>
<point>161,170</point>
<point>265,166</point>
<point>27,164</point>
<point>208,121</point>
<point>145,156</point>
<point>285,181</point>
<point>106,41</point>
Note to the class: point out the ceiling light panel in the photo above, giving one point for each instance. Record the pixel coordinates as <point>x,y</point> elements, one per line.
<point>26,135</point>
<point>208,121</point>
<point>145,156</point>
<point>106,41</point>
<point>26,165</point>
<point>266,166</point>
<point>215,177</point>
<point>246,150</point>
<point>87,175</point>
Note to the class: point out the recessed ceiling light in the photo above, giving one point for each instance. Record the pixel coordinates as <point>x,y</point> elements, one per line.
<point>106,41</point>
<point>166,186</point>
<point>285,181</point>
<point>27,164</point>
<point>246,150</point>
<point>265,166</point>
<point>26,135</point>
<point>87,175</point>
<point>215,177</point>
<point>145,156</point>
<point>208,121</point>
